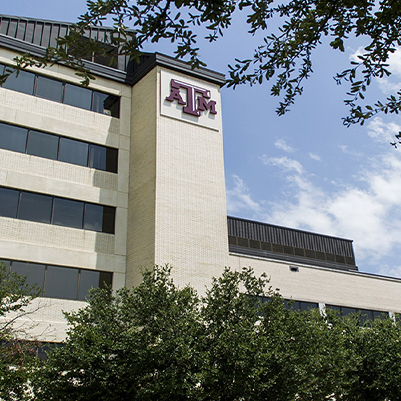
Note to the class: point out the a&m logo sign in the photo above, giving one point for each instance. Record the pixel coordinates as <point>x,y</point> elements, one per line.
<point>197,99</point>
<point>185,99</point>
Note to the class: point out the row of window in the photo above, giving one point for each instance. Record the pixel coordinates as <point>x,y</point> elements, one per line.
<point>49,146</point>
<point>364,314</point>
<point>62,92</point>
<point>54,210</point>
<point>60,282</point>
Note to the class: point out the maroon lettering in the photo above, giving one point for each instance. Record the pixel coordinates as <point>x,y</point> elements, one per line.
<point>204,105</point>
<point>197,99</point>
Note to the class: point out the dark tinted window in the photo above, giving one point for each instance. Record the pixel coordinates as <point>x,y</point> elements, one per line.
<point>93,217</point>
<point>105,279</point>
<point>42,144</point>
<point>34,273</point>
<point>111,160</point>
<point>78,96</point>
<point>103,158</point>
<point>59,91</point>
<point>48,88</point>
<point>8,202</point>
<point>106,104</point>
<point>24,82</point>
<point>74,152</point>
<point>67,212</point>
<point>308,305</point>
<point>108,219</point>
<point>35,207</point>
<point>61,282</point>
<point>5,263</point>
<point>97,157</point>
<point>347,311</point>
<point>13,137</point>
<point>89,279</point>
<point>379,314</point>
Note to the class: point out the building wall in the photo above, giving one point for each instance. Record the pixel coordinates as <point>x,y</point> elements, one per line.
<point>56,245</point>
<point>177,193</point>
<point>326,286</point>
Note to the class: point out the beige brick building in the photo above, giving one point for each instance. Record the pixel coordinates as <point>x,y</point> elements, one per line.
<point>97,183</point>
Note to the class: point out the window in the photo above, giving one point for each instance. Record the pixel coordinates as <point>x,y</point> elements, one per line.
<point>68,213</point>
<point>74,152</point>
<point>60,281</point>
<point>35,207</point>
<point>99,218</point>
<point>23,83</point>
<point>49,146</point>
<point>58,211</point>
<point>34,272</point>
<point>42,145</point>
<point>300,305</point>
<point>9,202</point>
<point>103,158</point>
<point>48,88</point>
<point>63,92</point>
<point>78,96</point>
<point>364,314</point>
<point>13,138</point>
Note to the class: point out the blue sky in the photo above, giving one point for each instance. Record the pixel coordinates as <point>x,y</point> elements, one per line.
<point>305,169</point>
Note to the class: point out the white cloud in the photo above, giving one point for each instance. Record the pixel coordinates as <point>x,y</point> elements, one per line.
<point>379,130</point>
<point>388,87</point>
<point>315,157</point>
<point>284,162</point>
<point>366,211</point>
<point>350,152</point>
<point>395,62</point>
<point>358,52</point>
<point>239,199</point>
<point>282,144</point>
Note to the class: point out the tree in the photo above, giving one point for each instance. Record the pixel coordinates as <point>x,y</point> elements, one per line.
<point>284,57</point>
<point>17,356</point>
<point>157,341</point>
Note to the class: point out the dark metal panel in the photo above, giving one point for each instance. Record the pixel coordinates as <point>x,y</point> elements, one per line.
<point>63,30</point>
<point>4,26</point>
<point>12,28</point>
<point>30,28</point>
<point>21,28</point>
<point>54,34</point>
<point>289,237</point>
<point>46,35</point>
<point>101,35</point>
<point>94,33</point>
<point>37,35</point>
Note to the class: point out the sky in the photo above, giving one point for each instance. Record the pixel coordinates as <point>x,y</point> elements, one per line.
<point>305,169</point>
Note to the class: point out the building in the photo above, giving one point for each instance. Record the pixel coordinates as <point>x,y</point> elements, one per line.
<point>99,182</point>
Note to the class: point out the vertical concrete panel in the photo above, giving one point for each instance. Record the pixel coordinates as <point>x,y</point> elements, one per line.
<point>191,217</point>
<point>141,200</point>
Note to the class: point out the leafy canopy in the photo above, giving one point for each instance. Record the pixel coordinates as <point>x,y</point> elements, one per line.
<point>284,57</point>
<point>161,342</point>
<point>16,356</point>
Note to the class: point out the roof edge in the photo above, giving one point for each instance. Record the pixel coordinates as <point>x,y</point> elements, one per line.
<point>162,60</point>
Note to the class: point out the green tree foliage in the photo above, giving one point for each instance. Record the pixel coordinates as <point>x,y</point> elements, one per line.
<point>16,356</point>
<point>292,30</point>
<point>160,342</point>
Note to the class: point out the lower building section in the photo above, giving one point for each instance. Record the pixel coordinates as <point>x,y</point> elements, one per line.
<point>322,285</point>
